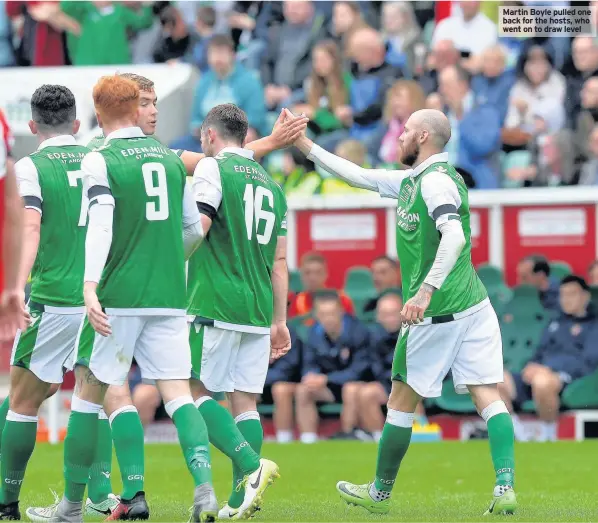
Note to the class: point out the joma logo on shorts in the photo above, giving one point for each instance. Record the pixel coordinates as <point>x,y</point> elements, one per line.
<point>135,477</point>
<point>13,481</point>
<point>241,446</point>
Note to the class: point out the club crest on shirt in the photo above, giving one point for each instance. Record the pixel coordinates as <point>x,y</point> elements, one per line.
<point>345,354</point>
<point>576,330</point>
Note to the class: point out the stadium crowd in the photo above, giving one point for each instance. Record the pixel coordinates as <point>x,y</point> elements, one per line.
<point>523,111</point>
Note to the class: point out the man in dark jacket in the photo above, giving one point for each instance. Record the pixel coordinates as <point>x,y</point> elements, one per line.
<point>583,65</point>
<point>567,351</point>
<point>282,379</point>
<point>335,360</point>
<point>535,270</point>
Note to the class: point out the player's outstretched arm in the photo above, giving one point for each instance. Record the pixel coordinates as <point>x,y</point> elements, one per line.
<point>387,183</point>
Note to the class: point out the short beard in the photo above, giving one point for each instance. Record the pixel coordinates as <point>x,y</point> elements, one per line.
<point>410,158</point>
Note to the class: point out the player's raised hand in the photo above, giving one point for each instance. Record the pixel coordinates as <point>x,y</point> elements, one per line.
<point>288,128</point>
<point>280,341</point>
<point>96,316</point>
<point>414,309</point>
<point>12,314</point>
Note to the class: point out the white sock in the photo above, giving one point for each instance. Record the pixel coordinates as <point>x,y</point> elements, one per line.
<point>284,436</point>
<point>550,428</point>
<point>377,434</point>
<point>519,429</point>
<point>308,437</point>
<point>378,495</point>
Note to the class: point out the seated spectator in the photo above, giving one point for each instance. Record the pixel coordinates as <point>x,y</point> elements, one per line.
<point>335,360</point>
<point>567,351</point>
<point>145,396</point>
<point>535,270</point>
<point>434,101</point>
<point>314,273</point>
<point>355,152</point>
<point>287,61</point>
<point>443,55</point>
<point>204,27</point>
<point>105,28</point>
<point>471,31</point>
<point>327,89</point>
<point>372,78</point>
<point>249,23</point>
<point>225,82</point>
<point>494,82</point>
<point>385,272</point>
<point>593,274</point>
<point>402,100</point>
<point>583,65</point>
<point>537,81</point>
<point>475,138</point>
<point>402,35</point>
<point>346,19</point>
<point>587,118</point>
<point>283,376</point>
<point>175,42</point>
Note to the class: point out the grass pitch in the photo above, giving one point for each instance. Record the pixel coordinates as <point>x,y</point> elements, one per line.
<point>448,481</point>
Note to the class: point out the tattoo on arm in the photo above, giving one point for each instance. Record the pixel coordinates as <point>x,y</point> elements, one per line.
<point>428,288</point>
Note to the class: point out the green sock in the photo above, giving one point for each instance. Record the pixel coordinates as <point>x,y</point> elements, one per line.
<point>250,426</point>
<point>502,447</point>
<point>392,448</point>
<point>193,437</point>
<point>3,412</point>
<point>226,436</point>
<point>18,442</point>
<point>99,478</point>
<point>127,433</point>
<point>79,451</point>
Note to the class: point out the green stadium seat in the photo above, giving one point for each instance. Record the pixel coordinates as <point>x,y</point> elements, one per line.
<point>295,283</point>
<point>331,408</point>
<point>528,406</point>
<point>520,338</point>
<point>490,275</point>
<point>559,269</point>
<point>493,280</point>
<point>582,393</point>
<point>525,304</point>
<point>453,402</point>
<point>299,324</point>
<point>594,293</point>
<point>359,286</point>
<point>267,410</point>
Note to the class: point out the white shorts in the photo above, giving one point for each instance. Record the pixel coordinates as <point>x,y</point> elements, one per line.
<point>227,360</point>
<point>470,346</point>
<point>46,347</point>
<point>159,344</point>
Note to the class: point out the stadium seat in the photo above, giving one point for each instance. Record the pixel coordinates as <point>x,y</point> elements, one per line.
<point>331,408</point>
<point>267,410</point>
<point>453,402</point>
<point>559,269</point>
<point>359,286</point>
<point>528,406</point>
<point>520,338</point>
<point>490,275</point>
<point>493,280</point>
<point>299,323</point>
<point>582,393</point>
<point>594,293</point>
<point>295,283</point>
<point>525,304</point>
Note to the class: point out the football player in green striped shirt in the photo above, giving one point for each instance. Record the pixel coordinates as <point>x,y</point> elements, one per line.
<point>143,224</point>
<point>50,184</point>
<point>237,288</point>
<point>449,323</point>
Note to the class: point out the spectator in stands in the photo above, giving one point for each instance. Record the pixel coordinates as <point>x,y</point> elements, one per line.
<point>593,274</point>
<point>225,82</point>
<point>355,152</point>
<point>314,273</point>
<point>146,398</point>
<point>7,55</point>
<point>402,100</point>
<point>402,35</point>
<point>443,55</point>
<point>204,27</point>
<point>249,23</point>
<point>584,54</point>
<point>346,19</point>
<point>327,88</point>
<point>176,42</point>
<point>281,382</point>
<point>471,31</point>
<point>373,76</point>
<point>494,82</point>
<point>589,170</point>
<point>537,81</point>
<point>104,31</point>
<point>587,117</point>
<point>287,61</point>
<point>568,350</point>
<point>475,128</point>
<point>335,361</point>
<point>535,270</point>
<point>385,273</point>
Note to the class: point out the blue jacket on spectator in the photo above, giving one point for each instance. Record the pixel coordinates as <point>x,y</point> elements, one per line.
<point>550,297</point>
<point>570,345</point>
<point>343,360</point>
<point>287,368</point>
<point>479,144</point>
<point>241,87</point>
<point>382,352</point>
<point>494,91</point>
